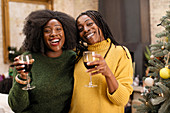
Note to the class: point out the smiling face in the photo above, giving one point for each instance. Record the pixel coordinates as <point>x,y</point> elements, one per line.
<point>88,30</point>
<point>54,37</point>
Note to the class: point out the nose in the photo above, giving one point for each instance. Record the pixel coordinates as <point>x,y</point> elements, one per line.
<point>86,29</point>
<point>54,33</point>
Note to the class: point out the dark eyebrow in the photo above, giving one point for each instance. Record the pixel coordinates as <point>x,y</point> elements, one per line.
<point>49,26</point>
<point>86,20</point>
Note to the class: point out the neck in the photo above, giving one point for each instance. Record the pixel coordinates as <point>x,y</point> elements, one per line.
<point>54,54</point>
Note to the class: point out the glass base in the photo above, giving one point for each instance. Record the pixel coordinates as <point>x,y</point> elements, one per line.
<point>28,88</point>
<point>91,85</point>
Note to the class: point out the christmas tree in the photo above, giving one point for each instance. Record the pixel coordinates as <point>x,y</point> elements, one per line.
<point>156,96</point>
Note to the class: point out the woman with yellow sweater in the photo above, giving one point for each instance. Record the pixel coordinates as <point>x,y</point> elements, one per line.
<point>112,74</point>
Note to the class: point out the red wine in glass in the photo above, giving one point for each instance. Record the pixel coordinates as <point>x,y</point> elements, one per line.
<point>87,66</point>
<point>28,67</point>
<point>88,57</point>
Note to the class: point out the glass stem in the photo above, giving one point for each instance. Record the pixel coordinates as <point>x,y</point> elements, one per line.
<point>90,80</point>
<point>28,83</point>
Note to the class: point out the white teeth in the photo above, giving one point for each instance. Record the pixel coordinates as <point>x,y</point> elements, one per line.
<point>90,35</point>
<point>55,41</point>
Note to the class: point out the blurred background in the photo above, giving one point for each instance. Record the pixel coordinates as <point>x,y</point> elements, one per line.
<point>132,22</point>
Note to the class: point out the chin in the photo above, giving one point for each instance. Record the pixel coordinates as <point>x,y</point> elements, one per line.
<point>57,50</point>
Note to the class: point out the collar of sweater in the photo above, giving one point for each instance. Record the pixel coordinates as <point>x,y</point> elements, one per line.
<point>100,45</point>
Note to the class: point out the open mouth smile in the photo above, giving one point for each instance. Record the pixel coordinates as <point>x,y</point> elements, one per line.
<point>54,42</point>
<point>90,35</point>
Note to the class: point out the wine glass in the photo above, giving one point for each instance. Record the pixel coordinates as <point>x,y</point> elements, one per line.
<point>27,68</point>
<point>88,57</point>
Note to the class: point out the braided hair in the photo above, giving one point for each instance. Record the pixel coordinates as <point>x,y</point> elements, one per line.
<point>101,23</point>
<point>33,30</point>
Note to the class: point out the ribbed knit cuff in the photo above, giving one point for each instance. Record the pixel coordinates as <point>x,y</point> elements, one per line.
<point>120,96</point>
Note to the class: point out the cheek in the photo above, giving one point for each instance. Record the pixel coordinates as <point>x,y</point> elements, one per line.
<point>63,39</point>
<point>45,40</point>
<point>45,36</point>
<point>81,35</point>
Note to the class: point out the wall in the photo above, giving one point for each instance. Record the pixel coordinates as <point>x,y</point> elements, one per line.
<point>3,67</point>
<point>158,9</point>
<point>72,7</point>
<point>75,7</point>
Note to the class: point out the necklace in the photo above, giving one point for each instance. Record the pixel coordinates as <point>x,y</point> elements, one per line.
<point>108,50</point>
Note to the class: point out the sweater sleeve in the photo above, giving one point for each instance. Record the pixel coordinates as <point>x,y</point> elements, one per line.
<point>123,74</point>
<point>18,99</point>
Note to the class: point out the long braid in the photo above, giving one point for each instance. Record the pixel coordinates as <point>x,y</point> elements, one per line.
<point>100,22</point>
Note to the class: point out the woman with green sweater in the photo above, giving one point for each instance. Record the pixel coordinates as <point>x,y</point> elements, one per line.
<point>50,38</point>
<point>112,72</point>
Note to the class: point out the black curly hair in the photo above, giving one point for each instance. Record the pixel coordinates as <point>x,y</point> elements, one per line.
<point>33,30</point>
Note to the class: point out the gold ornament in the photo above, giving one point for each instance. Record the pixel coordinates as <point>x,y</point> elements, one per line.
<point>163,47</point>
<point>165,73</point>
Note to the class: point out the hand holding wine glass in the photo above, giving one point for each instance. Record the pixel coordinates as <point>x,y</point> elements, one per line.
<point>26,59</point>
<point>88,57</point>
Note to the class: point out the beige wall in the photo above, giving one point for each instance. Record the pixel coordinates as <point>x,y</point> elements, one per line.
<point>18,11</point>
<point>158,9</point>
<point>75,7</point>
<point>3,67</point>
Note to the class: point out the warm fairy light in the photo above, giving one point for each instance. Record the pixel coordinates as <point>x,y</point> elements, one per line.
<point>161,95</point>
<point>146,103</point>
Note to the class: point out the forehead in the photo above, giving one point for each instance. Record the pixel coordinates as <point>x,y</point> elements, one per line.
<point>82,19</point>
<point>53,22</point>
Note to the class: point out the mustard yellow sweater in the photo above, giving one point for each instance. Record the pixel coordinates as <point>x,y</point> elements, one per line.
<point>98,99</point>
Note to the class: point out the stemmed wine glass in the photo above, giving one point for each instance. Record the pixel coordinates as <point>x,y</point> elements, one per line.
<point>88,57</point>
<point>28,65</point>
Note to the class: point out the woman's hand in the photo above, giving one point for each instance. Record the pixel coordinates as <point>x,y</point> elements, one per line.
<point>100,66</point>
<point>19,65</point>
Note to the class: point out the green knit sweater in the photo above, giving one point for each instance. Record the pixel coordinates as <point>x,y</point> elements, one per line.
<point>53,78</point>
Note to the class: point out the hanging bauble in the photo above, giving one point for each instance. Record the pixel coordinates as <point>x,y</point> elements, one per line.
<point>163,47</point>
<point>149,81</point>
<point>152,56</point>
<point>164,73</point>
